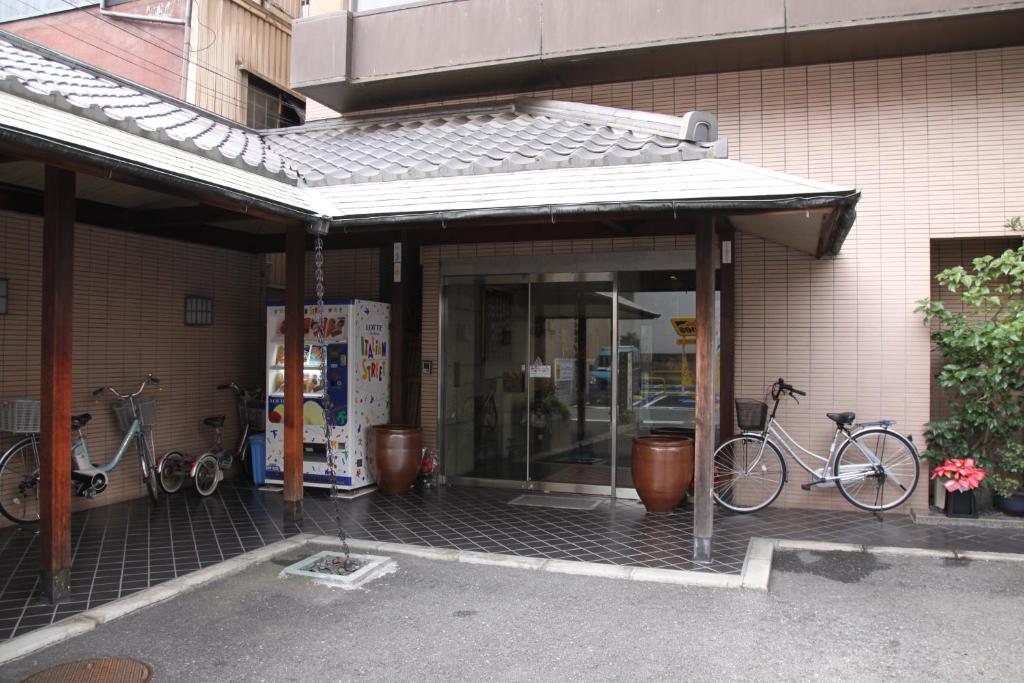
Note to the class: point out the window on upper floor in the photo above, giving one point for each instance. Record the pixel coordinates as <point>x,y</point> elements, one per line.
<point>267,106</point>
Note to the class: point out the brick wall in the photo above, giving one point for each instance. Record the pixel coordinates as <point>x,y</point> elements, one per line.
<point>932,142</point>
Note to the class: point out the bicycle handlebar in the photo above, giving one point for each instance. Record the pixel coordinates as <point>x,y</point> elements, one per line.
<point>150,379</point>
<point>247,394</point>
<point>781,386</point>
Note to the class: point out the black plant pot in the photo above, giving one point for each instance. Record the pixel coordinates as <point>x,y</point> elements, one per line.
<point>961,504</point>
<point>1011,505</point>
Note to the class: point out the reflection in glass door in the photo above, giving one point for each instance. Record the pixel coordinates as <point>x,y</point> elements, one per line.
<point>570,379</point>
<point>484,377</point>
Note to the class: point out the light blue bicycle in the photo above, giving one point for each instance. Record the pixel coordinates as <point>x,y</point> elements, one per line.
<point>19,464</point>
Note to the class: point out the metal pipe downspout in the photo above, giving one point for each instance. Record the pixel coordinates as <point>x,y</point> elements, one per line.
<point>186,49</point>
<point>146,17</point>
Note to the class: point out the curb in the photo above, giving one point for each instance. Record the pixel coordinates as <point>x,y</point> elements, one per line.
<point>678,577</point>
<point>40,638</point>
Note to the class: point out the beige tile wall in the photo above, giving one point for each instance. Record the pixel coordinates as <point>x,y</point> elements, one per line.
<point>934,143</point>
<point>129,321</point>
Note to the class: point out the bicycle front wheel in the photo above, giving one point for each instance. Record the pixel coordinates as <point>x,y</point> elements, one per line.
<point>207,474</point>
<point>19,482</point>
<point>747,477</point>
<point>148,464</point>
<point>877,469</point>
<point>173,471</point>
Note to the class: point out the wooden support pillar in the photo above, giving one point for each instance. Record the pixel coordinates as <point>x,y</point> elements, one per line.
<point>727,333</point>
<point>294,313</point>
<point>55,385</point>
<point>703,510</point>
<point>401,285</point>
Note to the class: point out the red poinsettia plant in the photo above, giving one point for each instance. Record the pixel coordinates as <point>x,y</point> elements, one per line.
<point>961,474</point>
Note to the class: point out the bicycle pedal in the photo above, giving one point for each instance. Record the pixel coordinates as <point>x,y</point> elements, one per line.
<point>811,484</point>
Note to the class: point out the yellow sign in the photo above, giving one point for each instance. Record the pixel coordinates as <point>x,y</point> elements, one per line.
<point>686,330</point>
<point>685,327</point>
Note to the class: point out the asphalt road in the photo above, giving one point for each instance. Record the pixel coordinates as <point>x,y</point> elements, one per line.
<point>828,616</point>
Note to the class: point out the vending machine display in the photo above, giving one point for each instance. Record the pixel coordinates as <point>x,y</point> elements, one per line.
<point>356,345</point>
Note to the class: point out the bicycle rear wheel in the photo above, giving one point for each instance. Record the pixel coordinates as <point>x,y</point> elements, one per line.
<point>748,478</point>
<point>173,471</point>
<point>872,486</point>
<point>19,482</point>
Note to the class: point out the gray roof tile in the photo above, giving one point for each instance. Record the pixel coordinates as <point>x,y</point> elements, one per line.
<point>499,137</point>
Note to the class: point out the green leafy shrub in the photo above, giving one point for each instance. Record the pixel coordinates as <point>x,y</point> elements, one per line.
<point>983,375</point>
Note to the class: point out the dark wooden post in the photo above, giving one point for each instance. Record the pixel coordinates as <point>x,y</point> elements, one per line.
<point>294,313</point>
<point>55,385</point>
<point>705,419</point>
<point>727,335</point>
<point>404,294</point>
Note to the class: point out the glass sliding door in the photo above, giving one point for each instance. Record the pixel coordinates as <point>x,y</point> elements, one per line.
<point>484,398</point>
<point>569,379</point>
<point>657,358</point>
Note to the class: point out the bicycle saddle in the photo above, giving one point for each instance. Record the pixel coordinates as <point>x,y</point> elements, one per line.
<point>842,419</point>
<point>79,421</point>
<point>217,421</point>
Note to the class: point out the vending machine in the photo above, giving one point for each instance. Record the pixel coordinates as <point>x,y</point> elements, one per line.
<point>356,344</point>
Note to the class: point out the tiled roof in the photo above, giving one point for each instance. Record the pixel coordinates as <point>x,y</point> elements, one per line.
<point>519,135</point>
<point>41,76</point>
<point>500,137</point>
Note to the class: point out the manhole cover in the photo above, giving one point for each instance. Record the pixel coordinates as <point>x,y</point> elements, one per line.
<point>101,670</point>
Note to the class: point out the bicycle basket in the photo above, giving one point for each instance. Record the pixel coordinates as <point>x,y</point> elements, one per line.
<point>751,415</point>
<point>125,417</point>
<point>19,415</point>
<point>257,418</point>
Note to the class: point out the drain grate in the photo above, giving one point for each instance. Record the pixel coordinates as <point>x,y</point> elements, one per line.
<point>560,502</point>
<point>329,568</point>
<point>100,670</point>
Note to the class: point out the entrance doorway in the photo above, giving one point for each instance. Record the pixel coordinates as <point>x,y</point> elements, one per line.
<point>547,377</point>
<point>526,397</point>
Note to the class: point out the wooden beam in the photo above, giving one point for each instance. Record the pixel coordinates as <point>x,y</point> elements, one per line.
<point>294,313</point>
<point>705,418</point>
<point>55,386</point>
<point>29,201</point>
<point>727,334</point>
<point>180,216</point>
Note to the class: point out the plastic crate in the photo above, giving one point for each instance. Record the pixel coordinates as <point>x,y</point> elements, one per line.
<point>19,415</point>
<point>125,417</point>
<point>258,458</point>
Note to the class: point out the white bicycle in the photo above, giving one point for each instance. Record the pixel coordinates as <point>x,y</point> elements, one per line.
<point>875,467</point>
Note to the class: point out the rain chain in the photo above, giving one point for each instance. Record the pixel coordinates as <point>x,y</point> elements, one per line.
<point>328,406</point>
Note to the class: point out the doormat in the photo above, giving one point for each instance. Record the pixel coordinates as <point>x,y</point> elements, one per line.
<point>560,502</point>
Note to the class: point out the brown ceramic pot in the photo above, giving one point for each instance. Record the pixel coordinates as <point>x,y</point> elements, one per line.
<point>394,456</point>
<point>662,470</point>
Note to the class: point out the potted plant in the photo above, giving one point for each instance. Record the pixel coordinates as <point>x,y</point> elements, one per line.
<point>961,479</point>
<point>982,347</point>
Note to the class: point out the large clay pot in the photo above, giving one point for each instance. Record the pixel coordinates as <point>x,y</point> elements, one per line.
<point>394,457</point>
<point>662,470</point>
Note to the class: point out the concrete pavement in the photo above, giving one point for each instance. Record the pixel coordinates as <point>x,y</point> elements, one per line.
<point>829,616</point>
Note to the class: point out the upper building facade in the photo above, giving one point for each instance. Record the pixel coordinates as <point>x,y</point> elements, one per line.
<point>359,54</point>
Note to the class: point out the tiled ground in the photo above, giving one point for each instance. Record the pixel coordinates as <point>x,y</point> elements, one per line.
<point>123,548</point>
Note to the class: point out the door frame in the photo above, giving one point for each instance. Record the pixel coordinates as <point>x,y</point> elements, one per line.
<point>548,268</point>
